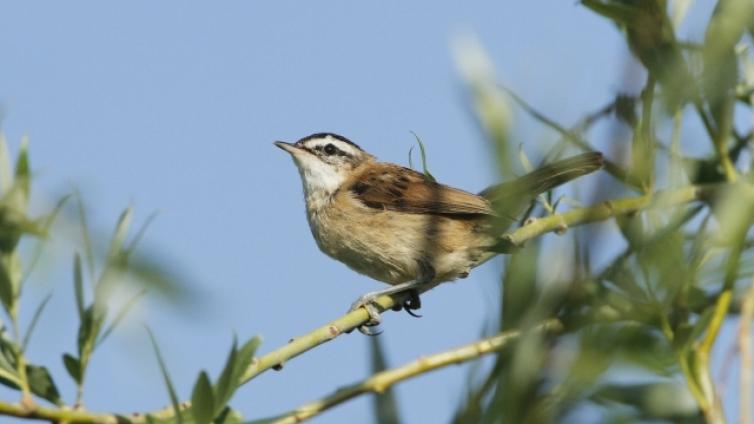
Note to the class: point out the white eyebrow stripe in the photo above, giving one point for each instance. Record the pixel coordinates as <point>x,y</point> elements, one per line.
<point>319,144</point>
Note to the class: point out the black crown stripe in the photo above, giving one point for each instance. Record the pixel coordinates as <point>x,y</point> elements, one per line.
<point>333,135</point>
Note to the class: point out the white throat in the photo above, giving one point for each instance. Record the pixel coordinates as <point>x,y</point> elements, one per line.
<point>320,180</point>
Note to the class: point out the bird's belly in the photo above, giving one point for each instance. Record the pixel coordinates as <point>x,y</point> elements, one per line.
<point>396,247</point>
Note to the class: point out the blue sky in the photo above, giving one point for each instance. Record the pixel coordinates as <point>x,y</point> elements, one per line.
<point>173,106</point>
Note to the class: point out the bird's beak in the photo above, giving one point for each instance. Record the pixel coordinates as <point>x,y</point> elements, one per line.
<point>288,147</point>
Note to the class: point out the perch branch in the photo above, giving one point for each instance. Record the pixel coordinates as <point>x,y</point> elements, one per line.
<point>381,381</point>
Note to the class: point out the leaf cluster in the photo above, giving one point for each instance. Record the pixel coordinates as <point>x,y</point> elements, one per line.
<point>641,325</point>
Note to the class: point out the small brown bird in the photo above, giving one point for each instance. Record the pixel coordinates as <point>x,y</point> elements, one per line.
<point>398,226</point>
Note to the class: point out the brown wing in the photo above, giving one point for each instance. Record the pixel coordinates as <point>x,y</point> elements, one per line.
<point>387,186</point>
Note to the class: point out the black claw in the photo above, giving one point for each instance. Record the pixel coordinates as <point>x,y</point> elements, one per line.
<point>397,307</point>
<point>412,313</point>
<point>412,303</point>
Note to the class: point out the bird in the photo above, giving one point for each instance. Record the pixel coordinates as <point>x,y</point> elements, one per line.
<point>399,226</point>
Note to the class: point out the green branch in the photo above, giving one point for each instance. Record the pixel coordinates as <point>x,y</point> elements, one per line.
<point>57,415</point>
<point>381,381</point>
<point>602,211</point>
<point>745,355</point>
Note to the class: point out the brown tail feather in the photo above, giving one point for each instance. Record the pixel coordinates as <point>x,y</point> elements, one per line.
<point>547,177</point>
<point>509,199</point>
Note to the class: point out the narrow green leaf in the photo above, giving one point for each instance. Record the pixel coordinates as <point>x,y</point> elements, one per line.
<point>121,314</point>
<point>88,250</point>
<point>411,157</point>
<point>620,13</point>
<point>22,161</point>
<point>78,285</point>
<point>166,376</point>
<point>246,355</point>
<point>46,225</point>
<point>424,158</point>
<point>34,320</point>
<point>73,367</point>
<point>202,400</point>
<point>229,416</point>
<point>86,327</point>
<point>25,225</point>
<point>655,401</point>
<point>8,360</point>
<point>6,286</point>
<point>10,232</point>
<point>700,326</point>
<point>385,407</point>
<point>39,379</point>
<point>9,379</point>
<point>23,174</point>
<point>119,236</point>
<point>6,178</point>
<point>41,383</point>
<point>8,351</point>
<point>244,359</point>
<point>574,136</point>
<point>140,234</point>
<point>89,330</point>
<point>50,218</point>
<point>230,378</point>
<point>156,277</point>
<point>225,384</point>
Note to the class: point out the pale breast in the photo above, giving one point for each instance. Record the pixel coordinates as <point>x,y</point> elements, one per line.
<point>396,247</point>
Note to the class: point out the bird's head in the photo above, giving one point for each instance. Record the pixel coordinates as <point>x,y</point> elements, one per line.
<point>325,161</point>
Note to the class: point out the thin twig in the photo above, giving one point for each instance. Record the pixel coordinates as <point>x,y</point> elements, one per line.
<point>643,149</point>
<point>602,211</point>
<point>714,410</point>
<point>381,381</point>
<point>56,415</point>
<point>745,353</point>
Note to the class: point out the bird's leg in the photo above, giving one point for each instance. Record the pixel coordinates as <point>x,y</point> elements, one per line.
<point>368,300</point>
<point>413,301</point>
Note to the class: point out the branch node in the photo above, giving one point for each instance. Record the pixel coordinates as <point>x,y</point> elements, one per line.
<point>28,404</point>
<point>334,331</point>
<point>562,227</point>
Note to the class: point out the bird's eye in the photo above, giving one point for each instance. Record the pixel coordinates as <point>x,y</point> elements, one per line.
<point>330,149</point>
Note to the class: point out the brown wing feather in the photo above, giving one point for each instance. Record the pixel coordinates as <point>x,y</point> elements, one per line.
<point>387,186</point>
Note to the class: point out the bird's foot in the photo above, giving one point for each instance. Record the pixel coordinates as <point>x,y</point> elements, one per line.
<point>368,302</point>
<point>412,303</point>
